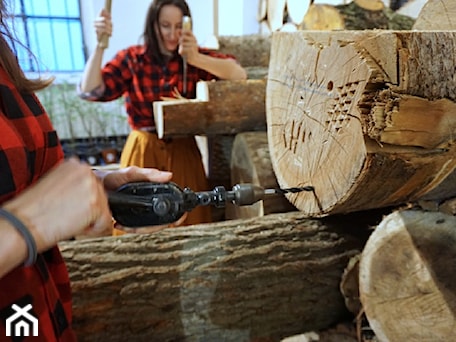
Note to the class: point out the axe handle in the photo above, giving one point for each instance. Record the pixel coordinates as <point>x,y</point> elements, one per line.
<point>104,40</point>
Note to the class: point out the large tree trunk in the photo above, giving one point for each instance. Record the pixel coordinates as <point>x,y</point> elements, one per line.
<point>366,117</point>
<point>407,277</point>
<point>270,277</point>
<point>251,163</point>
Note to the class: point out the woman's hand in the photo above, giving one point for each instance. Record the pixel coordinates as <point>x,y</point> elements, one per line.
<point>67,201</point>
<point>188,47</point>
<point>103,24</point>
<point>114,179</point>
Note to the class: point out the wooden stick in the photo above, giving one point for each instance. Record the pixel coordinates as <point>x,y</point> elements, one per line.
<point>104,40</point>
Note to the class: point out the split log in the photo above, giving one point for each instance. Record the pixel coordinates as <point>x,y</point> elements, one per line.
<point>239,280</point>
<point>275,14</point>
<point>366,117</point>
<point>296,10</point>
<point>221,107</point>
<point>251,163</point>
<point>407,278</point>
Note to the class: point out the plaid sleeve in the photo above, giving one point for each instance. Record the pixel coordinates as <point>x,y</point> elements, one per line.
<point>117,76</point>
<point>29,145</point>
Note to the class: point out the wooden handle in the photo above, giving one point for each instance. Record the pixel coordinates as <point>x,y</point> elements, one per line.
<point>187,23</point>
<point>104,40</point>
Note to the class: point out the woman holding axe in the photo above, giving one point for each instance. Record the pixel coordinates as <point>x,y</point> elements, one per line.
<point>147,73</point>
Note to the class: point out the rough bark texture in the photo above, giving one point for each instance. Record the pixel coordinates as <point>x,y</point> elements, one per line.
<point>250,50</point>
<point>358,18</point>
<point>366,117</point>
<point>407,279</point>
<point>251,163</point>
<point>271,277</point>
<point>223,107</point>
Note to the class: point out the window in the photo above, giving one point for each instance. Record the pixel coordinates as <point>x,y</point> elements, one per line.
<point>52,30</point>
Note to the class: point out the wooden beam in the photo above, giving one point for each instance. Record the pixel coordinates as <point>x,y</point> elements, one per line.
<point>220,107</point>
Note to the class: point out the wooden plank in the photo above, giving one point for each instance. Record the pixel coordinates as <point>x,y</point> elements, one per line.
<point>221,107</point>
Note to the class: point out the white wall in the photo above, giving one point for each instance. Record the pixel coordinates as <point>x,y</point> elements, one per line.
<point>235,17</point>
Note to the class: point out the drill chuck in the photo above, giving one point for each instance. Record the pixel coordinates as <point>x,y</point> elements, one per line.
<point>246,194</point>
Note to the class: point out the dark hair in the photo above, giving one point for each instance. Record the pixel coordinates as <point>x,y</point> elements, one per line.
<point>151,40</point>
<point>8,60</point>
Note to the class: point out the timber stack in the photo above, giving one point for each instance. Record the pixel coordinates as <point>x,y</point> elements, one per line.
<point>368,118</point>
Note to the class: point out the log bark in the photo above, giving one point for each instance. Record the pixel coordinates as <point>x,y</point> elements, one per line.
<point>250,50</point>
<point>239,280</point>
<point>407,279</point>
<point>366,117</point>
<point>221,107</point>
<point>359,18</point>
<point>251,163</point>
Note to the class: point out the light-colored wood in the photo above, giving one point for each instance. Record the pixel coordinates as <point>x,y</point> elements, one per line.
<point>297,9</point>
<point>221,107</point>
<point>251,163</point>
<point>104,39</point>
<point>366,117</point>
<point>406,277</point>
<point>437,15</point>
<point>370,5</point>
<point>275,12</point>
<point>241,280</point>
<point>322,17</point>
<point>262,10</point>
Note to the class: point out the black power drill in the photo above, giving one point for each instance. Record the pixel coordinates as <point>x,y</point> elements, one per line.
<point>143,204</point>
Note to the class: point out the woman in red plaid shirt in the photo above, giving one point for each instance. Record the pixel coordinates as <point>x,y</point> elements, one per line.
<point>147,73</point>
<point>43,200</point>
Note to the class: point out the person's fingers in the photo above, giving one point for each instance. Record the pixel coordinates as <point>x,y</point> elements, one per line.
<point>115,179</point>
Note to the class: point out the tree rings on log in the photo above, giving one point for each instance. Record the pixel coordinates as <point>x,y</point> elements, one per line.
<point>407,277</point>
<point>437,15</point>
<point>322,17</point>
<point>366,117</point>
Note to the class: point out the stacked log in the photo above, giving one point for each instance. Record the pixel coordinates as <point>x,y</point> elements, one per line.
<point>251,163</point>
<point>293,15</point>
<point>240,280</point>
<point>367,118</point>
<point>351,109</point>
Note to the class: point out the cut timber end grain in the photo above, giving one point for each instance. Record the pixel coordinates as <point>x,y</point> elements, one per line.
<point>407,279</point>
<point>366,117</point>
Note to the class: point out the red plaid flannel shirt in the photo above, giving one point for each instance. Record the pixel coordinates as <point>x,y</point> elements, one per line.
<point>142,79</point>
<point>29,147</point>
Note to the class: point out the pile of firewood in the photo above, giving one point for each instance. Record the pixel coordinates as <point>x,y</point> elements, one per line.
<point>368,118</point>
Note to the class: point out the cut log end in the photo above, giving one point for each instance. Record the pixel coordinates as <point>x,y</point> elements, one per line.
<point>406,282</point>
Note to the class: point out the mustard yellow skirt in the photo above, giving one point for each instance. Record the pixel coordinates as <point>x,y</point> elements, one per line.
<point>181,156</point>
